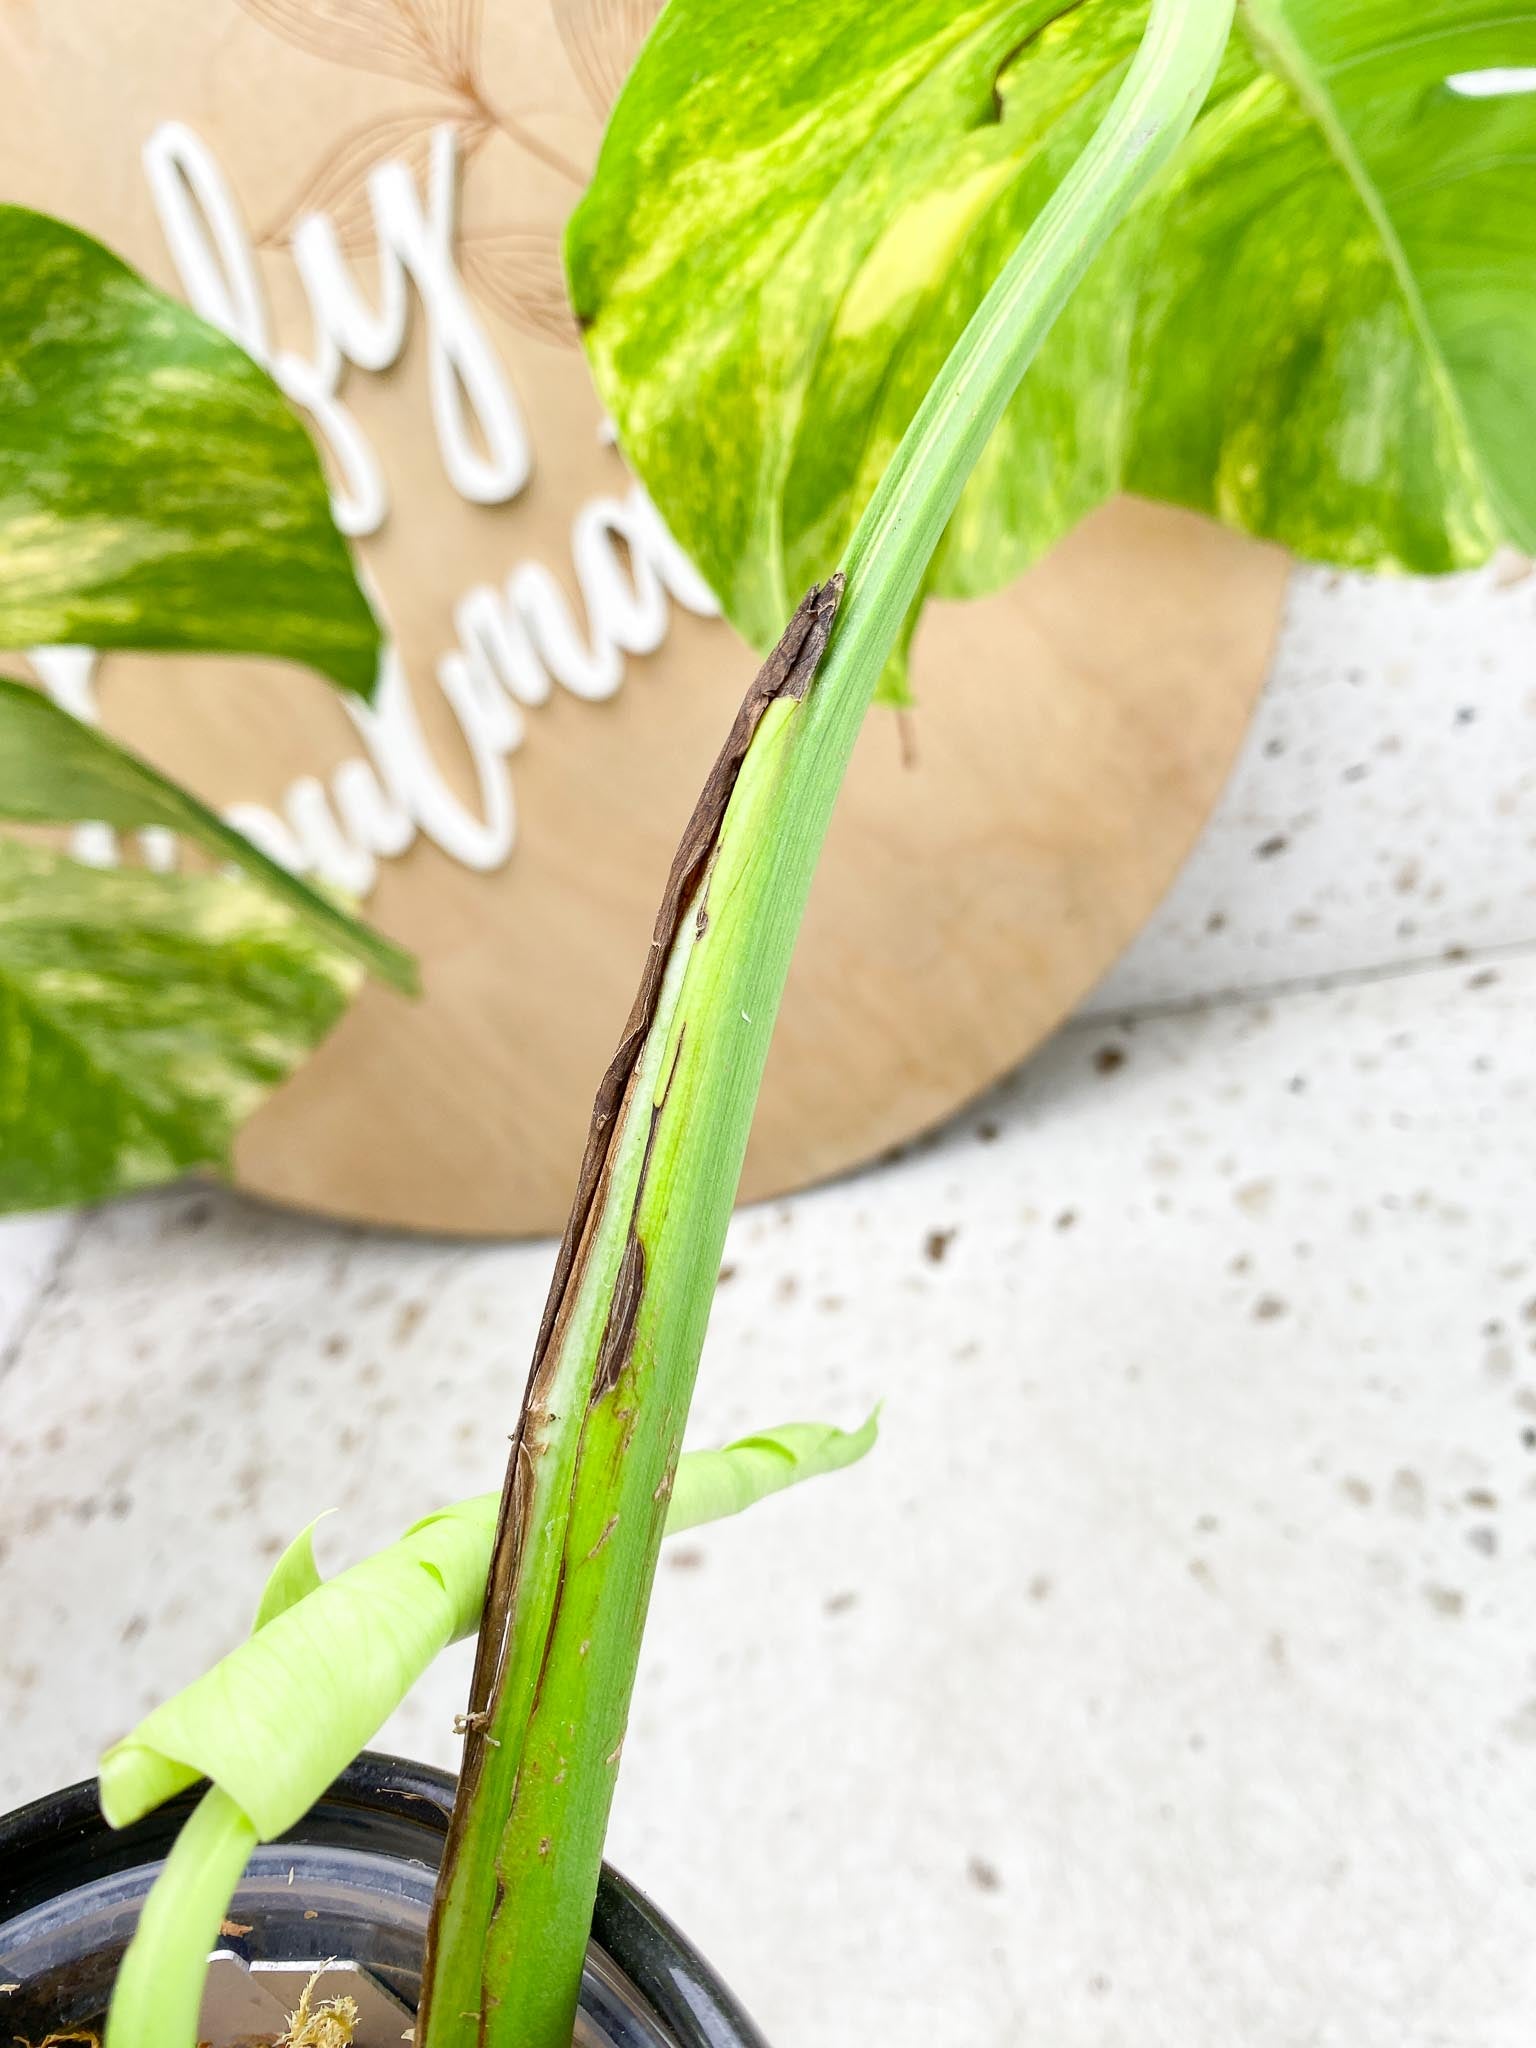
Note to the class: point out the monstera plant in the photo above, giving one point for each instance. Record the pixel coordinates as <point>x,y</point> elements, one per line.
<point>1280,271</point>
<point>155,492</point>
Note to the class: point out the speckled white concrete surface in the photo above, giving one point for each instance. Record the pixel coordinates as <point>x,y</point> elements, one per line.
<point>1384,807</point>
<point>1169,1674</point>
<point>31,1250</point>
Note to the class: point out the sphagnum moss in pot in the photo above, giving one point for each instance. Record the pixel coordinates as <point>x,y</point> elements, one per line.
<point>873,187</point>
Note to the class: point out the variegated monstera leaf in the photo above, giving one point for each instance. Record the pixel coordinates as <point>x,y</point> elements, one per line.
<point>155,492</point>
<point>1319,326</point>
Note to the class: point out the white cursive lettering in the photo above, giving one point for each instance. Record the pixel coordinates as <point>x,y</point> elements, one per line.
<point>515,641</point>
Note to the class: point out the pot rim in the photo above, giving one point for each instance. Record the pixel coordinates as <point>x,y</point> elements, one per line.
<point>43,1846</point>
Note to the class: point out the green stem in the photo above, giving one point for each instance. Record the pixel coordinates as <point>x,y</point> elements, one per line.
<point>613,1373</point>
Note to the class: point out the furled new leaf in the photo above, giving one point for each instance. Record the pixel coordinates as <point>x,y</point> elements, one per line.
<point>155,489</point>
<point>1318,326</point>
<point>54,770</point>
<point>142,1018</point>
<point>713,1484</point>
<point>289,1708</point>
<point>292,1578</point>
<point>277,1719</point>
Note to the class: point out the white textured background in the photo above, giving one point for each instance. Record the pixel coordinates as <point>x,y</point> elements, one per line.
<point>1168,1677</point>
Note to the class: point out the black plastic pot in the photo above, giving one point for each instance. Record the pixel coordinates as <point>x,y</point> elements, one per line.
<point>353,1880</point>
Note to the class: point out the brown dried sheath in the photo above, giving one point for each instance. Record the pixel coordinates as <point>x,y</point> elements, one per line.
<point>788,672</point>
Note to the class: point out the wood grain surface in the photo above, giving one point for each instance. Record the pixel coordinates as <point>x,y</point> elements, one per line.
<point>997,846</point>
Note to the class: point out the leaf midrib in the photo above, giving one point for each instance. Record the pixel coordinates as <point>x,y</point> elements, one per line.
<point>1040,142</point>
<point>1273,39</point>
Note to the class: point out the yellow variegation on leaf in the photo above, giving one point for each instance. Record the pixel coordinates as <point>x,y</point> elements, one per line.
<point>1318,325</point>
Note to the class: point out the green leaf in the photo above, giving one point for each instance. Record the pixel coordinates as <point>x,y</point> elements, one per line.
<point>1318,326</point>
<point>142,1018</point>
<point>155,489</point>
<point>284,1713</point>
<point>54,770</point>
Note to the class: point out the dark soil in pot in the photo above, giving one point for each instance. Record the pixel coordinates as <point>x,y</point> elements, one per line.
<point>353,1882</point>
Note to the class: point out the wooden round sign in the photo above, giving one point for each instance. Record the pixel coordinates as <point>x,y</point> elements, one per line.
<point>369,194</point>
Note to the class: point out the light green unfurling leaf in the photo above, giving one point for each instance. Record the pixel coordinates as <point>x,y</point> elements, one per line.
<point>284,1713</point>
<point>713,1484</point>
<point>293,1577</point>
